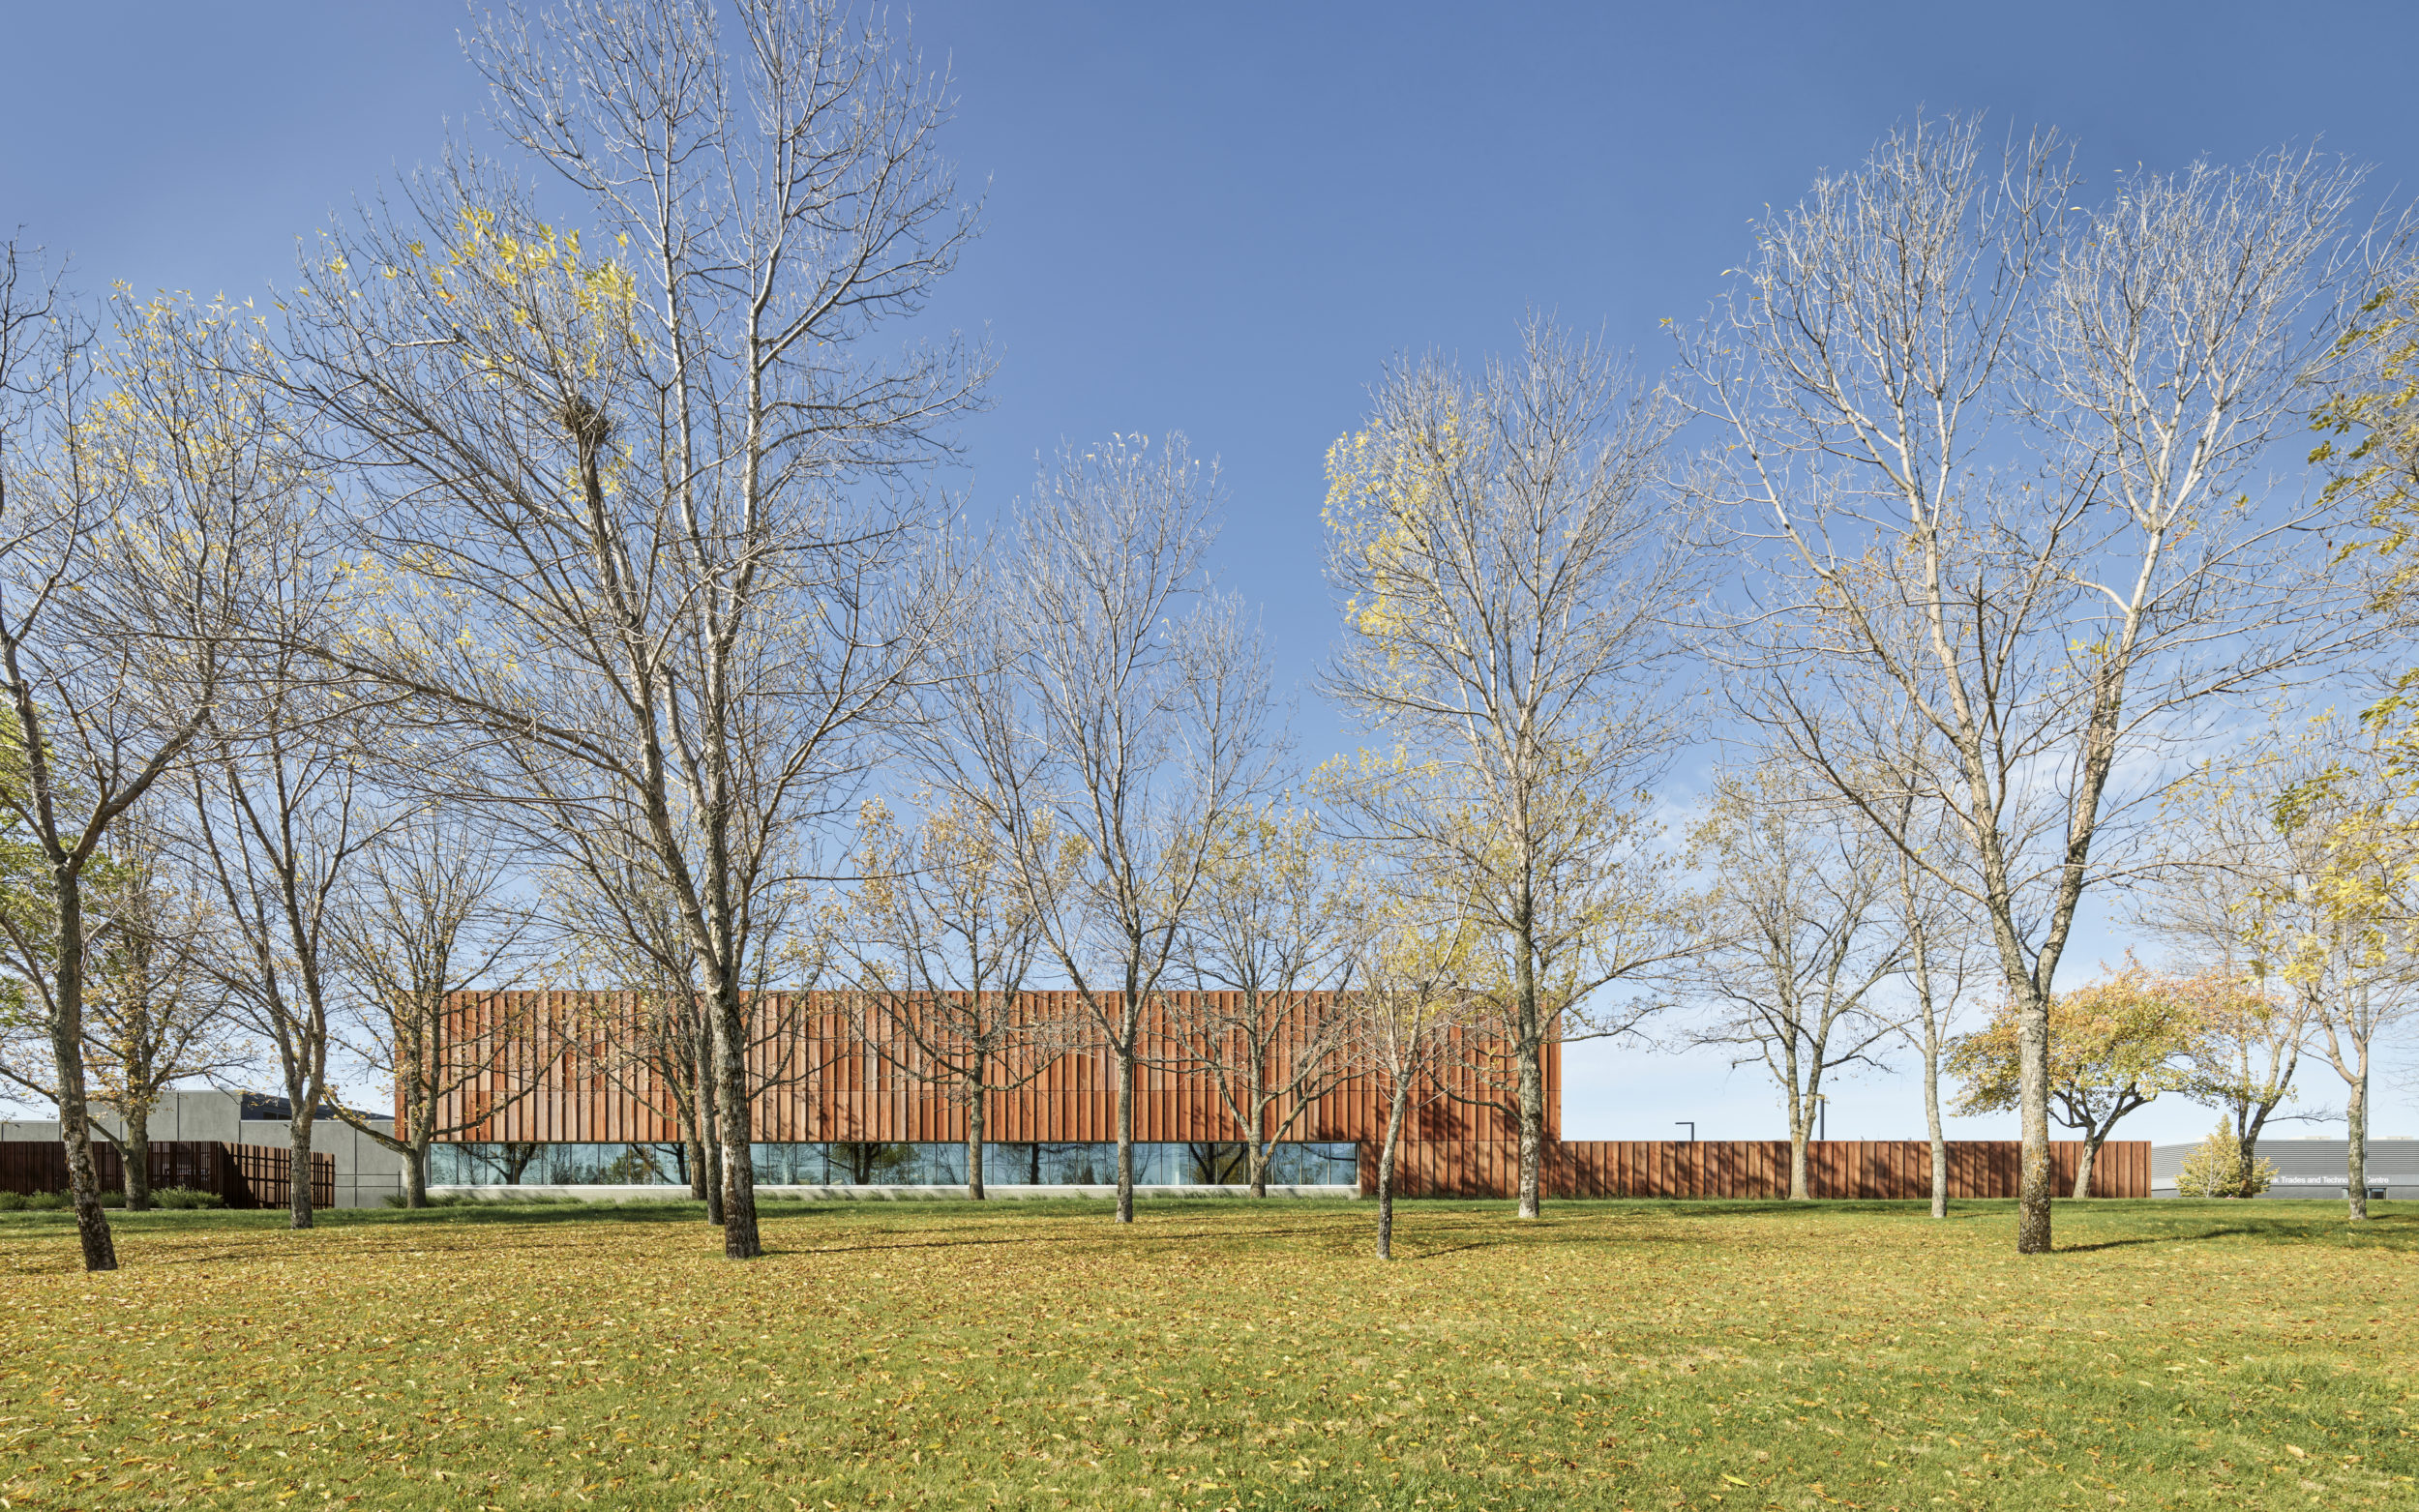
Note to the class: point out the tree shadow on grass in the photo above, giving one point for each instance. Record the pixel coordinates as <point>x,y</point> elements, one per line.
<point>861,1229</point>
<point>2156,1238</point>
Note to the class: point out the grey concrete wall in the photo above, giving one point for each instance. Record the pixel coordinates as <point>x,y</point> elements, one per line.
<point>367,1173</point>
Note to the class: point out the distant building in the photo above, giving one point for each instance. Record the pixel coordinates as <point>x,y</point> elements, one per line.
<point>367,1173</point>
<point>2310,1167</point>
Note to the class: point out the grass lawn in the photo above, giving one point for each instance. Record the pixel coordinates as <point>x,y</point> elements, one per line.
<point>1222,1354</point>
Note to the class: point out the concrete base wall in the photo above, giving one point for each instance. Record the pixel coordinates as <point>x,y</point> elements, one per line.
<point>871,1194</point>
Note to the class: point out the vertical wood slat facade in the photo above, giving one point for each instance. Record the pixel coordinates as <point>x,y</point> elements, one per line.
<point>564,1073</point>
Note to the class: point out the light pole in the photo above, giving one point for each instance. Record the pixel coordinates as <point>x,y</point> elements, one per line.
<point>1689,1124</point>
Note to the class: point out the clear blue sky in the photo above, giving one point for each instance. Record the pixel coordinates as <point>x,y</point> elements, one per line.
<point>1224,219</point>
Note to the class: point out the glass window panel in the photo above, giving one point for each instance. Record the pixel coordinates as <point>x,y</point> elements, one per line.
<point>1007,1165</point>
<point>1080,1165</point>
<point>876,1162</point>
<point>772,1164</point>
<point>1214,1164</point>
<point>869,1163</point>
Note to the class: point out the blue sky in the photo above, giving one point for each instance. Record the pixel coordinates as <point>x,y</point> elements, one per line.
<point>1223,220</point>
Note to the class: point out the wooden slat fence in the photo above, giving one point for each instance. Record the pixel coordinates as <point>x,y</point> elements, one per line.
<point>1893,1170</point>
<point>266,1172</point>
<point>241,1175</point>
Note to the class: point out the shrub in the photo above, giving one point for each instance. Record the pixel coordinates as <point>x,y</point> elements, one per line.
<point>2216,1169</point>
<point>46,1201</point>
<point>187,1198</point>
<point>12,1201</point>
<point>113,1200</point>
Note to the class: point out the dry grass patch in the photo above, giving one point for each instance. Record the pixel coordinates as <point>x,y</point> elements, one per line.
<point>1616,1354</point>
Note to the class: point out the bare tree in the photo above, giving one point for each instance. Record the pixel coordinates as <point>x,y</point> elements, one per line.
<point>615,925</point>
<point>943,934</point>
<point>1945,955</point>
<point>1953,400</point>
<point>1411,957</point>
<point>1800,934</point>
<point>1508,568</point>
<point>1112,713</point>
<point>279,819</point>
<point>1947,948</point>
<point>423,924</point>
<point>2245,1053</point>
<point>1268,945</point>
<point>1153,730</point>
<point>643,508</point>
<point>139,481</point>
<point>617,931</point>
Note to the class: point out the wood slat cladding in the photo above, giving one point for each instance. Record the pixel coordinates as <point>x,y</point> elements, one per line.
<point>567,1073</point>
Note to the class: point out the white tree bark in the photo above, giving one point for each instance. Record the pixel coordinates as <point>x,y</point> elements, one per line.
<point>651,523</point>
<point>1985,448</point>
<point>145,495</point>
<point>1509,569</point>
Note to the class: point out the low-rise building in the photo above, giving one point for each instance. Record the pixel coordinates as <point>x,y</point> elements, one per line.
<point>366,1171</point>
<point>2310,1167</point>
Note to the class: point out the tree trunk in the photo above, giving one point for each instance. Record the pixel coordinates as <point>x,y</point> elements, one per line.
<point>1125,1126</point>
<point>67,1049</point>
<point>975,1141</point>
<point>2033,1193</point>
<point>1256,1141</point>
<point>1532,1038</point>
<point>693,1147</point>
<point>1799,1190</point>
<point>1931,1123</point>
<point>709,1124</point>
<point>2093,1139</point>
<point>2356,1155</point>
<point>1385,1175</point>
<point>713,1166</point>
<point>415,1134</point>
<point>298,1164</point>
<point>740,1238</point>
<point>136,1149</point>
<point>2255,1121</point>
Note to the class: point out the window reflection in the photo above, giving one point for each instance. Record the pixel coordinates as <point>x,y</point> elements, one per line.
<point>867,1163</point>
